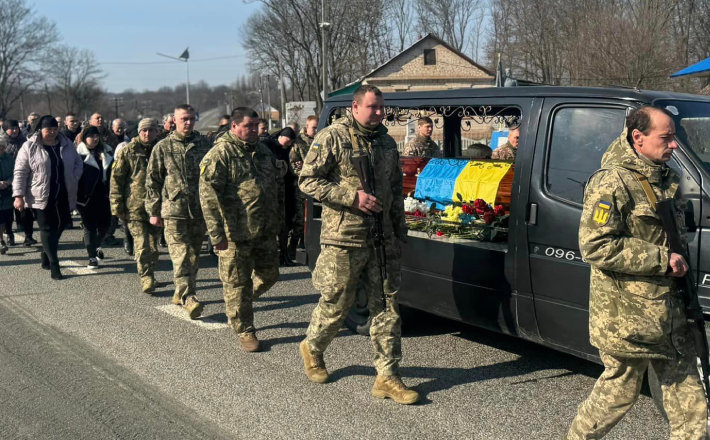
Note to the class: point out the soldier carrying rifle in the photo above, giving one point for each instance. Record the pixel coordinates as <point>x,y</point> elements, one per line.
<point>637,313</point>
<point>348,238</point>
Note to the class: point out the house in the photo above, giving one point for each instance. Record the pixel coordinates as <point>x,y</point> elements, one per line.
<point>428,64</point>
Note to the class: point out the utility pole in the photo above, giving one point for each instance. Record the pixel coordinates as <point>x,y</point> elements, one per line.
<point>268,97</point>
<point>22,99</point>
<point>261,97</point>
<point>324,25</point>
<point>116,102</point>
<point>49,100</point>
<point>283,95</point>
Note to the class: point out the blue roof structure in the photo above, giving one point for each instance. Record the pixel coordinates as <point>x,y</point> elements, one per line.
<point>701,69</point>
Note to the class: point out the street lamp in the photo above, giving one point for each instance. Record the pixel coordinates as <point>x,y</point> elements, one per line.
<point>185,56</point>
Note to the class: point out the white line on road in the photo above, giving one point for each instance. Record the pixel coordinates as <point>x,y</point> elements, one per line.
<point>178,312</point>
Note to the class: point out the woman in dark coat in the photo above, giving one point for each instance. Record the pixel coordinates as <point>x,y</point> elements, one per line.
<point>93,194</point>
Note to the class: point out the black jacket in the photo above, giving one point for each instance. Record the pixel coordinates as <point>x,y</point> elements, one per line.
<point>94,181</point>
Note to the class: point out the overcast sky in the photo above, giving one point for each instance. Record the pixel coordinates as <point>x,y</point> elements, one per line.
<point>133,31</point>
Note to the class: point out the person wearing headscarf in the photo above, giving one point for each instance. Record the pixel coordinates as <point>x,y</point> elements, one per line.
<point>280,145</point>
<point>93,193</point>
<point>45,179</point>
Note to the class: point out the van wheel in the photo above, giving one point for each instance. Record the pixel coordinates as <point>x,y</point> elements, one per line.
<point>656,391</point>
<point>358,319</point>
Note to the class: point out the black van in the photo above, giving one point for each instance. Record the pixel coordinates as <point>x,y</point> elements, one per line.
<point>535,285</point>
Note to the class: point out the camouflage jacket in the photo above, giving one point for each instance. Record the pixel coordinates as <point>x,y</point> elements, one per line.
<point>505,152</point>
<point>173,177</point>
<point>299,151</point>
<point>421,146</point>
<point>635,309</point>
<point>328,175</point>
<point>241,191</point>
<point>128,189</point>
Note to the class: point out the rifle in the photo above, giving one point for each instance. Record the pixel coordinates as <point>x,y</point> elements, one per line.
<point>666,212</point>
<point>367,180</point>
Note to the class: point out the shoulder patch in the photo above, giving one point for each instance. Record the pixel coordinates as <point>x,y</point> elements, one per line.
<point>601,213</point>
<point>204,164</point>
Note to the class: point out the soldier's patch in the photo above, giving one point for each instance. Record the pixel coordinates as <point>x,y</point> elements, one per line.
<point>315,146</point>
<point>601,213</point>
<point>203,165</point>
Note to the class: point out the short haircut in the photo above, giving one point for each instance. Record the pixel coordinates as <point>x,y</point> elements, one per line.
<point>186,107</point>
<point>35,114</point>
<point>640,119</point>
<point>70,114</point>
<point>167,117</point>
<point>480,151</point>
<point>425,120</point>
<point>364,89</point>
<point>311,118</point>
<point>223,117</point>
<point>263,121</point>
<point>239,113</point>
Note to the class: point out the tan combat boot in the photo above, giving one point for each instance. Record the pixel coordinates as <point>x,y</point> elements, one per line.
<point>177,300</point>
<point>395,389</point>
<point>148,284</point>
<point>248,342</point>
<point>314,364</point>
<point>193,307</point>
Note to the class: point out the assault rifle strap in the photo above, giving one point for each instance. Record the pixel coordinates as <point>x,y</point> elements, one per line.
<point>647,189</point>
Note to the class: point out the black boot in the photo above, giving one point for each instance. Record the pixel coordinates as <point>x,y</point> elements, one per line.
<point>45,261</point>
<point>11,239</point>
<point>128,245</point>
<point>56,274</point>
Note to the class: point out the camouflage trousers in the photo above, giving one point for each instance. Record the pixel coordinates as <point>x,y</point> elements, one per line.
<point>145,242</point>
<point>618,388</point>
<point>184,237</point>
<point>247,270</point>
<point>337,274</point>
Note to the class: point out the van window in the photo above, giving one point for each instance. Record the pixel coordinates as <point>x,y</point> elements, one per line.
<point>580,136</point>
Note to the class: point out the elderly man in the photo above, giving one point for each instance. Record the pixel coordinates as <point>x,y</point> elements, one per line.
<point>243,214</point>
<point>347,251</point>
<point>71,126</point>
<point>31,119</point>
<point>106,136</point>
<point>168,127</point>
<point>510,149</point>
<point>422,145</point>
<point>173,201</point>
<point>128,192</point>
<point>637,316</point>
<point>119,130</point>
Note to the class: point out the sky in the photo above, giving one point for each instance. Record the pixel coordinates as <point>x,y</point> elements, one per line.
<point>132,31</point>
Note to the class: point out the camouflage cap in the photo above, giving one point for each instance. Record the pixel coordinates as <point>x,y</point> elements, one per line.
<point>147,123</point>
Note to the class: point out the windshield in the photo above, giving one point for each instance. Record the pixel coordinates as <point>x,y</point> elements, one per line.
<point>692,125</point>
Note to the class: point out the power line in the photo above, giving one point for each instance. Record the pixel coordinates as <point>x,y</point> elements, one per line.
<point>171,62</point>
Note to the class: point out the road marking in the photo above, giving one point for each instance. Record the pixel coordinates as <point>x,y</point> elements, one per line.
<point>77,268</point>
<point>178,312</point>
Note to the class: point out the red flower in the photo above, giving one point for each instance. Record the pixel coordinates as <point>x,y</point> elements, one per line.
<point>480,204</point>
<point>499,210</point>
<point>468,209</point>
<point>439,234</point>
<point>489,217</point>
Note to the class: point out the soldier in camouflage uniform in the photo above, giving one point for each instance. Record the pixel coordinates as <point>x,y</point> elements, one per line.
<point>510,149</point>
<point>422,145</point>
<point>128,192</point>
<point>296,156</point>
<point>242,196</point>
<point>636,313</point>
<point>173,196</point>
<point>347,250</point>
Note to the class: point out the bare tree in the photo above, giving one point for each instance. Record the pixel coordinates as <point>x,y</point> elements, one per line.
<point>77,77</point>
<point>399,13</point>
<point>25,41</point>
<point>449,19</point>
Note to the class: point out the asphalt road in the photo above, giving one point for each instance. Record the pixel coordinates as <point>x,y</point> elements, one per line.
<point>91,357</point>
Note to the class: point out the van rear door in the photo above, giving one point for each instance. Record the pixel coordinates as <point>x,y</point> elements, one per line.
<point>572,137</point>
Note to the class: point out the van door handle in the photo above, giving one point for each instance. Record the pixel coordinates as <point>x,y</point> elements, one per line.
<point>532,219</point>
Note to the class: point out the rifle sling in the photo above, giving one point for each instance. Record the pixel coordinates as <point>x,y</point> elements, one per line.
<point>647,189</point>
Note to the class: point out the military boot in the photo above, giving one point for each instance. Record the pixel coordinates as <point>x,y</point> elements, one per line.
<point>148,284</point>
<point>193,307</point>
<point>248,342</point>
<point>177,300</point>
<point>395,389</point>
<point>292,245</point>
<point>313,364</point>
